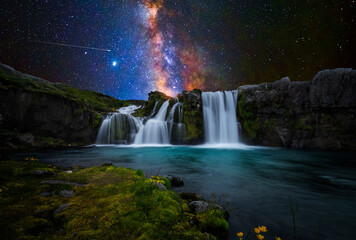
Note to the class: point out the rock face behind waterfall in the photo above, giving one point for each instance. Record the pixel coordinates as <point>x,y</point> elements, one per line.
<point>37,113</point>
<point>318,114</point>
<point>193,116</point>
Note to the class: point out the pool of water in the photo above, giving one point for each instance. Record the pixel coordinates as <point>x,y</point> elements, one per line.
<point>258,182</point>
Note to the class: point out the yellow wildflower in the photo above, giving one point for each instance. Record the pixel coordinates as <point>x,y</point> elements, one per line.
<point>260,237</point>
<point>240,234</point>
<point>278,238</point>
<point>263,228</point>
<point>257,231</point>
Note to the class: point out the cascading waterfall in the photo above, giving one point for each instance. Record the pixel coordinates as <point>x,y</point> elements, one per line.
<point>155,131</point>
<point>123,128</point>
<point>220,121</point>
<point>176,127</point>
<point>120,127</point>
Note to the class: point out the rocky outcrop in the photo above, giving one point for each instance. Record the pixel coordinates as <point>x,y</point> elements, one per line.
<point>152,105</point>
<point>193,116</point>
<point>318,114</point>
<point>36,113</point>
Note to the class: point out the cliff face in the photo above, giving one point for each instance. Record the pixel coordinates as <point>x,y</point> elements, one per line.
<point>193,116</point>
<point>318,114</point>
<point>37,113</point>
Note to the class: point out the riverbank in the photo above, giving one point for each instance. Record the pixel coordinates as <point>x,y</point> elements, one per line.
<point>43,201</point>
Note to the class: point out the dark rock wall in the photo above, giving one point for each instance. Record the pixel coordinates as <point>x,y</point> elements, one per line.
<point>318,114</point>
<point>193,116</point>
<point>43,115</point>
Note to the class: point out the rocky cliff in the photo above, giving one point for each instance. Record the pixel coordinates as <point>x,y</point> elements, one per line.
<point>35,113</point>
<point>317,114</point>
<point>193,116</point>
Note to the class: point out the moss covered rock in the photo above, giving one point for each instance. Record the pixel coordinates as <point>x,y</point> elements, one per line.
<point>315,114</point>
<point>193,116</point>
<point>108,203</point>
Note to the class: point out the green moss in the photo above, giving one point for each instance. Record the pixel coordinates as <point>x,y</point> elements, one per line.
<point>214,222</point>
<point>287,113</point>
<point>97,120</point>
<point>48,140</point>
<point>270,124</point>
<point>116,203</point>
<point>252,127</point>
<point>90,100</point>
<point>301,124</point>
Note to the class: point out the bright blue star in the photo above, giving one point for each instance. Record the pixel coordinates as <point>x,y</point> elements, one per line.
<point>114,63</point>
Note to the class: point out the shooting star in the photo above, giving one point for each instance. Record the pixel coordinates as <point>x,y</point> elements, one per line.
<point>73,46</point>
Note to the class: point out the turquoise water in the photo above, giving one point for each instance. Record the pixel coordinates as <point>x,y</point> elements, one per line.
<point>258,183</point>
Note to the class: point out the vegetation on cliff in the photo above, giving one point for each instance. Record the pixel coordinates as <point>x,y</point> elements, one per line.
<point>193,116</point>
<point>10,78</point>
<point>39,201</point>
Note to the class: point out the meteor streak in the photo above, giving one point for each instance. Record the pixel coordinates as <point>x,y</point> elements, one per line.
<point>73,46</point>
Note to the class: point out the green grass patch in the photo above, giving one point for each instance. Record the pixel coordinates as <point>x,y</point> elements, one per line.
<point>115,203</point>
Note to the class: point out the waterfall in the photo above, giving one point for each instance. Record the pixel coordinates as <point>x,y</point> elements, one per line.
<point>220,121</point>
<point>118,128</point>
<point>123,128</point>
<point>155,131</point>
<point>176,127</point>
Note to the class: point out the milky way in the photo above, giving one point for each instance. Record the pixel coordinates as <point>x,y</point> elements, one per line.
<point>171,46</point>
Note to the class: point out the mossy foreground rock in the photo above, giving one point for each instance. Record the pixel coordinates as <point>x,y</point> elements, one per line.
<point>318,114</point>
<point>108,203</point>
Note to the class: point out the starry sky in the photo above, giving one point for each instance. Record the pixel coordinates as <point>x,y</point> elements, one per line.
<point>175,45</point>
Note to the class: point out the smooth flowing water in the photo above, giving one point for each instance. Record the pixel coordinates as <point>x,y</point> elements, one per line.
<point>220,122</point>
<point>259,183</point>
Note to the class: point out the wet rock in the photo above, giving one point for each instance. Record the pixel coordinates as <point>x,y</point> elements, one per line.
<point>43,173</point>
<point>189,196</point>
<point>106,164</point>
<point>62,182</point>
<point>175,181</point>
<point>66,193</point>
<point>160,186</point>
<point>199,206</point>
<point>47,194</point>
<point>27,139</point>
<point>61,208</point>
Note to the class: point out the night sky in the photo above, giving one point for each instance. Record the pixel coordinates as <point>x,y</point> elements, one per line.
<point>172,45</point>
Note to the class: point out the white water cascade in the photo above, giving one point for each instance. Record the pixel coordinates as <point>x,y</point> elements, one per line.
<point>220,121</point>
<point>111,130</point>
<point>155,131</point>
<point>177,129</point>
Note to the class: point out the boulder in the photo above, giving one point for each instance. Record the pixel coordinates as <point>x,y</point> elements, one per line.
<point>189,196</point>
<point>43,173</point>
<point>61,208</point>
<point>47,194</point>
<point>175,181</point>
<point>199,206</point>
<point>66,193</point>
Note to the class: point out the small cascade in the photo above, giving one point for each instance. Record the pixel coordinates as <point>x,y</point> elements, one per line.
<point>220,121</point>
<point>119,128</point>
<point>177,129</point>
<point>155,131</point>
